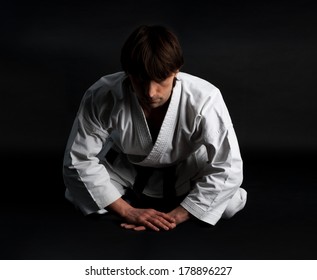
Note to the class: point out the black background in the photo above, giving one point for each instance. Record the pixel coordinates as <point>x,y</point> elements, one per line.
<point>260,54</point>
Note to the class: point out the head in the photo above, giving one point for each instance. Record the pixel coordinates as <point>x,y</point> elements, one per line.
<point>151,57</point>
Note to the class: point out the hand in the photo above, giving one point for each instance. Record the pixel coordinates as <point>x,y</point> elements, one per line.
<point>179,214</point>
<point>141,219</point>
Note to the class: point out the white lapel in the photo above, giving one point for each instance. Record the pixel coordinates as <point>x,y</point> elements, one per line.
<point>165,136</point>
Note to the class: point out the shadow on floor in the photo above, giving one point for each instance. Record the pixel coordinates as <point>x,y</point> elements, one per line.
<point>278,221</point>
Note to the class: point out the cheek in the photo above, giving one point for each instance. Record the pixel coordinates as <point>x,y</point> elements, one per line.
<point>167,94</point>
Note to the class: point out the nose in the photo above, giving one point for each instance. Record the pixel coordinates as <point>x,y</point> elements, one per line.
<point>152,89</point>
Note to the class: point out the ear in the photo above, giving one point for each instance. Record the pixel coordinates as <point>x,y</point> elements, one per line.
<point>176,72</point>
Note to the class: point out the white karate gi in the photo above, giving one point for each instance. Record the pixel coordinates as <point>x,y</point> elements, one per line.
<point>197,135</point>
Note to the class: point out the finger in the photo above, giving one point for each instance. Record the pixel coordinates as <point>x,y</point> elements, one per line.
<point>165,224</point>
<point>167,217</point>
<point>166,220</point>
<point>151,226</point>
<point>154,213</point>
<point>128,226</point>
<point>140,228</point>
<point>160,222</point>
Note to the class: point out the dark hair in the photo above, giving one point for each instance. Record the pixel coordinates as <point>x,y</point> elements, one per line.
<point>151,53</point>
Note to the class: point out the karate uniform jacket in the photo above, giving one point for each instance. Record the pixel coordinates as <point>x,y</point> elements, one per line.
<point>197,136</point>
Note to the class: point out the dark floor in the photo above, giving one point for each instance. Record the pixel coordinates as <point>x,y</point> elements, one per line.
<point>279,221</point>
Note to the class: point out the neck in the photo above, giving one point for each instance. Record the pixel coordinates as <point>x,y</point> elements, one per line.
<point>159,111</point>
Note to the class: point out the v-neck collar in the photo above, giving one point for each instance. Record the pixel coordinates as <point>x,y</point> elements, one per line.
<point>165,135</point>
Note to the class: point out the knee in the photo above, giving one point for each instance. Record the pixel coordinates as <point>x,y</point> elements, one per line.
<point>236,204</point>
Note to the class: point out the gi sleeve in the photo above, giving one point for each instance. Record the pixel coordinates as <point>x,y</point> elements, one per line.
<point>85,178</point>
<point>222,170</point>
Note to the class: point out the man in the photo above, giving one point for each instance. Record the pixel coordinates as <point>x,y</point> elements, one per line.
<point>152,144</point>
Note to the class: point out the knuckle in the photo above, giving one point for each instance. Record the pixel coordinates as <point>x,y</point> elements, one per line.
<point>141,219</point>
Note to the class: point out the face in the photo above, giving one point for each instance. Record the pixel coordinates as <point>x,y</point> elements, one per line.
<point>153,94</point>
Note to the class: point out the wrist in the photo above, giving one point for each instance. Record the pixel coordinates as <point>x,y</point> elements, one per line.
<point>121,207</point>
<point>180,214</point>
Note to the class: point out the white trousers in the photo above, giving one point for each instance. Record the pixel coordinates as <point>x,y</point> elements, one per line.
<point>236,204</point>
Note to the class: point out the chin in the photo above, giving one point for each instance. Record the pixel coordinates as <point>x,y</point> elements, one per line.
<point>155,105</point>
